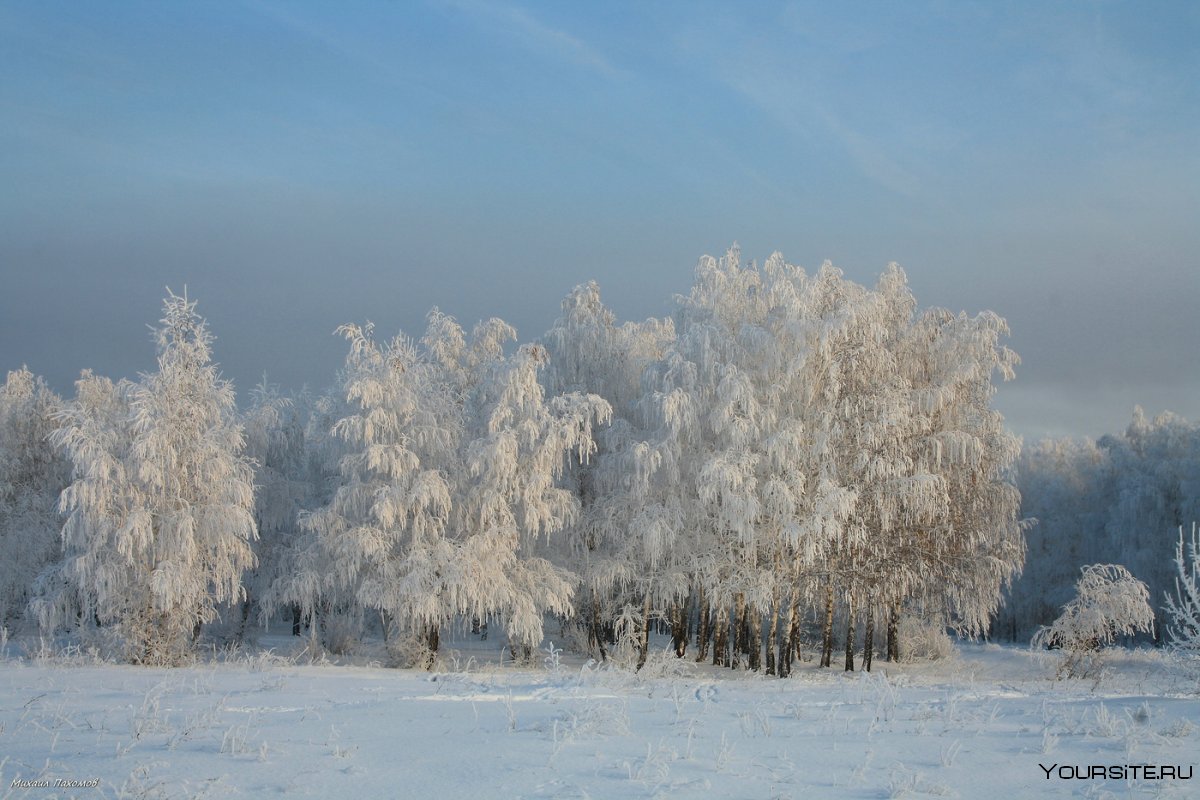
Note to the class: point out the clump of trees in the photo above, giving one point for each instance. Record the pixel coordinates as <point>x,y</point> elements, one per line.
<point>1119,499</point>
<point>792,464</point>
<point>792,446</point>
<point>448,485</point>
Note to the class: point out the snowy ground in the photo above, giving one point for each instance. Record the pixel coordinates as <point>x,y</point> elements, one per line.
<point>983,724</point>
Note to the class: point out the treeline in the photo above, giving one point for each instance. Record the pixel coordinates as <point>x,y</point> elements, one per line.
<point>791,463</point>
<point>1122,499</point>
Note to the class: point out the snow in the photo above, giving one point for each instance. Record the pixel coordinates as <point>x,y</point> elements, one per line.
<point>258,724</point>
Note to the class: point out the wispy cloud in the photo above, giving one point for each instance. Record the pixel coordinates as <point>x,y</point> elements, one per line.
<point>871,157</point>
<point>788,91</point>
<point>353,49</point>
<point>535,35</point>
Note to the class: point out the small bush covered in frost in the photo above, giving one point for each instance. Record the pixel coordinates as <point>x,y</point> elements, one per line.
<point>1109,602</point>
<point>921,641</point>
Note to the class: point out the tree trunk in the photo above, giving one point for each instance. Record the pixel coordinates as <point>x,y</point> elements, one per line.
<point>869,644</point>
<point>784,643</point>
<point>720,627</point>
<point>739,631</point>
<point>688,618</point>
<point>316,625</point>
<point>703,629</point>
<point>241,634</point>
<point>754,638</point>
<point>432,640</point>
<point>794,643</point>
<point>296,618</point>
<point>644,644</point>
<point>596,631</point>
<point>773,634</point>
<point>893,632</point>
<point>849,636</point>
<point>827,628</point>
<point>679,637</point>
<point>774,612</point>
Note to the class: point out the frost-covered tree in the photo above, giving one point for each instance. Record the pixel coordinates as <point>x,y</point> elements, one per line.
<point>31,476</point>
<point>98,421</point>
<point>517,452</point>
<point>381,543</point>
<point>740,384</point>
<point>285,485</point>
<point>866,427</point>
<point>590,353</point>
<point>160,509</point>
<point>969,554</point>
<point>450,453</point>
<point>1109,602</point>
<point>293,582</point>
<point>1183,607</point>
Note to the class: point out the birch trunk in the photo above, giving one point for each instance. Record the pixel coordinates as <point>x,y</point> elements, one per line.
<point>679,637</point>
<point>644,645</point>
<point>850,636</point>
<point>869,644</point>
<point>893,626</point>
<point>720,637</point>
<point>754,639</point>
<point>827,628</point>
<point>739,633</point>
<point>704,629</point>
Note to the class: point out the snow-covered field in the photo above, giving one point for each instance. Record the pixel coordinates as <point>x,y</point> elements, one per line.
<point>987,723</point>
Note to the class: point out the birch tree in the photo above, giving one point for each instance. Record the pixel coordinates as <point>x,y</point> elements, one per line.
<point>451,453</point>
<point>968,554</point>
<point>381,542</point>
<point>590,353</point>
<point>31,476</point>
<point>285,486</point>
<point>160,509</point>
<point>518,451</point>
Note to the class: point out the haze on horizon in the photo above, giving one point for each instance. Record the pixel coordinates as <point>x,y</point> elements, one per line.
<point>298,166</point>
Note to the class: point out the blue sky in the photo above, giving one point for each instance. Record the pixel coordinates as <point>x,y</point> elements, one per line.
<point>303,165</point>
